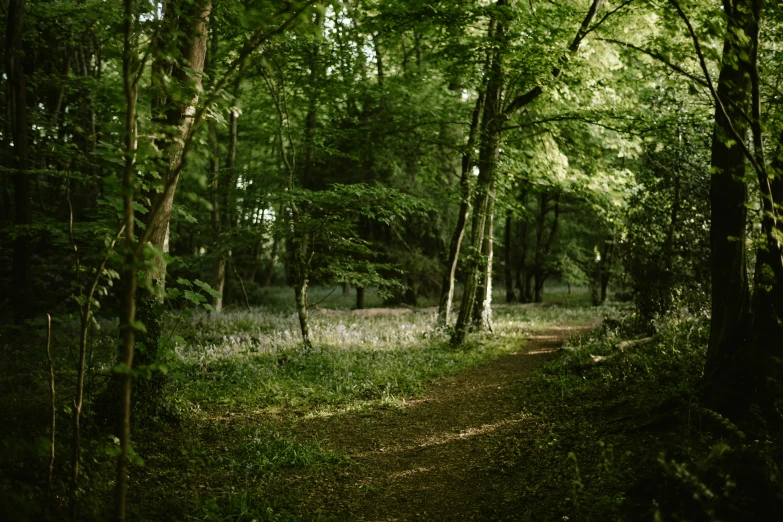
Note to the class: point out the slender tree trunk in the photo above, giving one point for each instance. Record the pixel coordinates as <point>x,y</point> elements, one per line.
<point>128,274</point>
<point>378,59</point>
<point>508,258</point>
<point>538,256</point>
<point>17,101</point>
<point>192,21</point>
<point>482,312</point>
<point>447,287</point>
<point>52,405</point>
<point>521,267</point>
<point>491,125</point>
<point>300,292</point>
<point>606,267</point>
<point>359,298</point>
<point>301,240</point>
<point>668,249</point>
<point>219,274</point>
<point>727,377</point>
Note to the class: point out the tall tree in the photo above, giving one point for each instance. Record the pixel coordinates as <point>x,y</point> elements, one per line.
<point>20,154</point>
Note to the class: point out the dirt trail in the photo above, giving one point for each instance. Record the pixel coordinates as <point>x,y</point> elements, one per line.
<point>440,457</point>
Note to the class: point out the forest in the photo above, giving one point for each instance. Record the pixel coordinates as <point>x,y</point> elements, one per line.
<point>391,260</point>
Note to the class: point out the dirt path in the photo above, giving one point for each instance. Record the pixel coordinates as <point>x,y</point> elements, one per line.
<point>439,458</point>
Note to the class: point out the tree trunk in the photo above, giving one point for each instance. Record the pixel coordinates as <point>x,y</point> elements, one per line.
<point>606,267</point>
<point>128,274</point>
<point>523,277</point>
<point>767,305</point>
<point>482,312</point>
<point>17,101</point>
<point>508,259</point>
<point>447,287</point>
<point>219,278</point>
<point>491,126</point>
<point>192,22</point>
<point>359,298</point>
<point>538,255</point>
<point>727,380</point>
<point>300,292</point>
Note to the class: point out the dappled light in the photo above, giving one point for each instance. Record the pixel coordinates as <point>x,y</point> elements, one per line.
<point>391,260</point>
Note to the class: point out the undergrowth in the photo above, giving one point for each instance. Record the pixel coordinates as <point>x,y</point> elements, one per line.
<point>630,440</point>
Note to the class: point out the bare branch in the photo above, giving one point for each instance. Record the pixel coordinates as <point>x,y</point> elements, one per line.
<point>660,58</point>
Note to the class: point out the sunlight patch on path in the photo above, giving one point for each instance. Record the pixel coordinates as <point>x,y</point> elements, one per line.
<point>409,472</point>
<point>445,438</point>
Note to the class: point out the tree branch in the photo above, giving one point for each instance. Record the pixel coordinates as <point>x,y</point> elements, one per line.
<point>659,57</point>
<point>525,98</point>
<point>251,44</point>
<point>719,104</point>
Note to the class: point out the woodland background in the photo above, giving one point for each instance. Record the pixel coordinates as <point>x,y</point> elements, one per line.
<point>212,174</point>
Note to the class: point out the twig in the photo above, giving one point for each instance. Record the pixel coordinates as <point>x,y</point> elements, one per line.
<point>659,57</point>
<point>607,15</point>
<point>241,283</point>
<point>322,300</point>
<point>84,316</point>
<point>54,410</point>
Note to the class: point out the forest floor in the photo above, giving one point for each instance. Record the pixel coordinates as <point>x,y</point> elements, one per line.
<point>440,456</point>
<point>382,419</point>
<point>379,423</point>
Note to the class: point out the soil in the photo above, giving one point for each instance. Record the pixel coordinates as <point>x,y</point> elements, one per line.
<point>445,456</point>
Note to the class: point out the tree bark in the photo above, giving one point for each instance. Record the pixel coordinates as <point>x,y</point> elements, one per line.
<point>128,274</point>
<point>300,292</point>
<point>767,304</point>
<point>447,287</point>
<point>482,311</point>
<point>191,21</point>
<point>20,153</point>
<point>219,275</point>
<point>491,125</point>
<point>300,241</point>
<point>522,275</point>
<point>727,379</point>
<point>359,298</point>
<point>538,255</point>
<point>508,258</point>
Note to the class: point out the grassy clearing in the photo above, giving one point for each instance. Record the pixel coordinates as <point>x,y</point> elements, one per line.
<point>240,382</point>
<point>243,378</point>
<point>255,361</point>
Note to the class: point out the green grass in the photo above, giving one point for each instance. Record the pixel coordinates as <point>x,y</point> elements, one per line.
<point>240,381</point>
<point>255,360</point>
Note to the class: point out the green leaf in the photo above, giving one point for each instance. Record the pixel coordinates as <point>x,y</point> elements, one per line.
<point>194,297</point>
<point>208,289</point>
